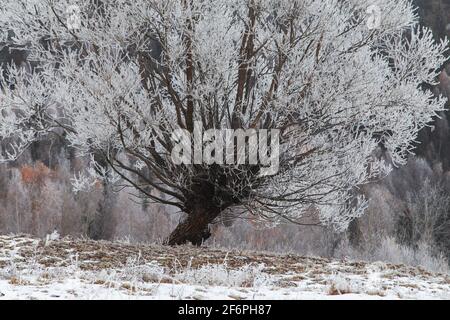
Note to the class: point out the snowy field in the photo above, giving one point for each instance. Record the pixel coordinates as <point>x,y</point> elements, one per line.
<point>80,269</point>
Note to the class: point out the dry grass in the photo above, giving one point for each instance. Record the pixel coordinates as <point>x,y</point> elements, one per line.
<point>135,266</point>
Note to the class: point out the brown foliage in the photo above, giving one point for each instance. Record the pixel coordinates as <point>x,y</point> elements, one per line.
<point>35,175</point>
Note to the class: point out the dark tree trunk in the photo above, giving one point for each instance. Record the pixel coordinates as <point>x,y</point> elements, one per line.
<point>193,229</point>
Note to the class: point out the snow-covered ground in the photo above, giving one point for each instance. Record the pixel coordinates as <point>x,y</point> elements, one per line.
<point>81,269</point>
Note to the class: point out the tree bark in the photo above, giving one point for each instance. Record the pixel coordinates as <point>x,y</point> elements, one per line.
<point>194,229</point>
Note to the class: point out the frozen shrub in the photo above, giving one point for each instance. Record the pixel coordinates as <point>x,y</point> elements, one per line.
<point>338,285</point>
<point>222,275</point>
<point>422,255</point>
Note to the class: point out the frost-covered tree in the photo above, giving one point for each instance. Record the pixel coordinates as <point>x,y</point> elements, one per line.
<point>118,77</point>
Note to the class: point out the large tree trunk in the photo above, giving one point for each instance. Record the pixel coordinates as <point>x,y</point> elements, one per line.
<point>194,229</point>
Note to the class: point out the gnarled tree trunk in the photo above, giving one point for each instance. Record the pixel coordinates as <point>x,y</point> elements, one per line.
<point>193,229</point>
